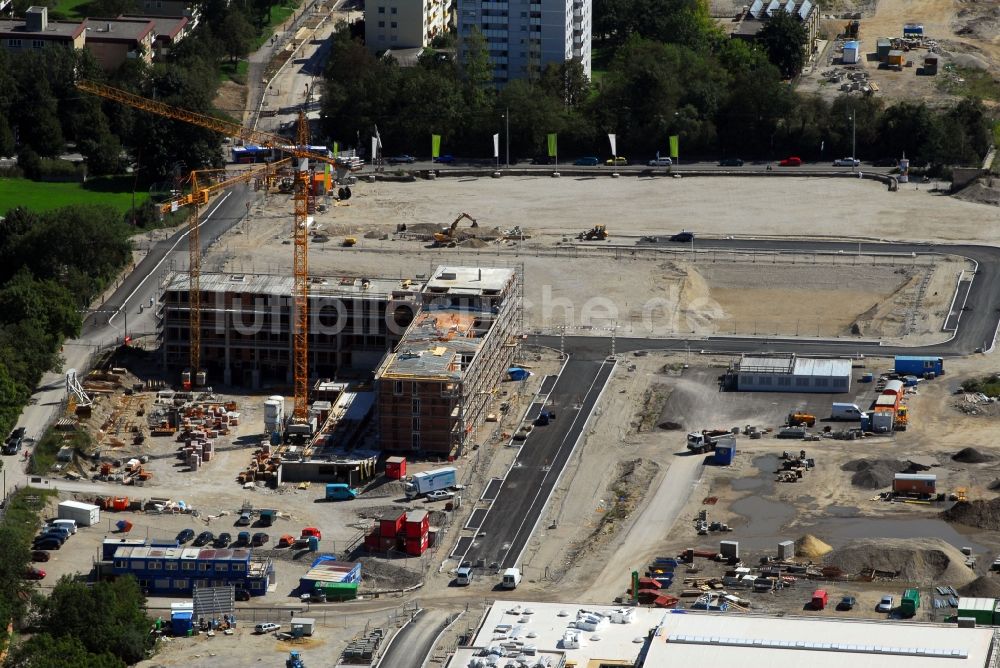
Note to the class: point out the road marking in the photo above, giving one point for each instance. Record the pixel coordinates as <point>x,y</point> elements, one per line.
<point>153,270</point>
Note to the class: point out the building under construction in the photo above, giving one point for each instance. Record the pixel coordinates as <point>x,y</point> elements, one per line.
<point>439,347</point>
<point>434,389</point>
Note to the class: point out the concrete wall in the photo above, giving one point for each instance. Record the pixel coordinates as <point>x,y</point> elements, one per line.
<point>963,176</point>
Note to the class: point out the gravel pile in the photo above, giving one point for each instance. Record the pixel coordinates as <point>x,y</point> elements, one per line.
<point>378,575</point>
<point>971,456</point>
<point>982,587</point>
<point>979,514</point>
<point>875,473</point>
<point>918,560</point>
<point>810,546</point>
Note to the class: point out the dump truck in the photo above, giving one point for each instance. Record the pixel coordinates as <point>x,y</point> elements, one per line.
<point>338,491</point>
<point>430,481</point>
<point>706,440</point>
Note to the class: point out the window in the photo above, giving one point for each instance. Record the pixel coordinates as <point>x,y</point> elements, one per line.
<point>37,43</point>
<point>170,566</point>
<point>822,382</point>
<point>181,583</point>
<point>187,565</point>
<point>381,10</point>
<point>161,584</point>
<point>14,43</point>
<point>155,565</point>
<point>415,440</point>
<point>381,24</point>
<point>121,563</point>
<point>393,25</point>
<point>239,568</point>
<point>203,566</point>
<point>256,585</point>
<point>416,424</point>
<point>219,568</point>
<point>397,387</point>
<point>802,382</point>
<point>784,380</point>
<point>392,10</point>
<point>416,405</point>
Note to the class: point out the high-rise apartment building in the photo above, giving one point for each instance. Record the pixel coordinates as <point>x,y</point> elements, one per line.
<point>404,24</point>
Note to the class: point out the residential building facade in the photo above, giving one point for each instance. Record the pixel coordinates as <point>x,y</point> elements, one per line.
<point>523,37</point>
<point>405,24</point>
<point>113,41</point>
<point>36,32</point>
<point>178,570</point>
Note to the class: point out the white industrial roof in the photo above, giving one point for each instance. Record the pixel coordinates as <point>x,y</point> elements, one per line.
<point>829,368</point>
<point>469,280</point>
<point>717,639</point>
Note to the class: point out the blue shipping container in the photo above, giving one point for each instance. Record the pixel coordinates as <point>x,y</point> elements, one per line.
<point>724,455</point>
<point>919,365</point>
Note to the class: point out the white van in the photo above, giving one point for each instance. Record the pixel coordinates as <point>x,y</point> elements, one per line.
<point>511,578</point>
<point>69,524</point>
<point>845,412</point>
<point>463,576</point>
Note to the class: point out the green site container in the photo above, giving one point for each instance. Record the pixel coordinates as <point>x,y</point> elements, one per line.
<point>980,609</point>
<point>996,614</point>
<point>338,591</point>
<point>911,603</point>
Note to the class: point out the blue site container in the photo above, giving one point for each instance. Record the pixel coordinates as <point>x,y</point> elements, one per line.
<point>724,454</point>
<point>918,365</point>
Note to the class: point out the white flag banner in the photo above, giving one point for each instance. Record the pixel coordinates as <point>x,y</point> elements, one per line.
<point>496,145</point>
<point>374,149</point>
<point>614,145</point>
<point>378,138</point>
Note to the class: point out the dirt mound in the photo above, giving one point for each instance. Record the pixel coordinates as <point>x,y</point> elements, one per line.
<point>874,473</point>
<point>980,192</point>
<point>982,587</point>
<point>670,426</point>
<point>917,560</point>
<point>971,456</point>
<point>995,485</point>
<point>473,243</point>
<point>979,514</point>
<point>375,512</point>
<point>810,546</point>
<point>379,575</point>
<point>423,228</point>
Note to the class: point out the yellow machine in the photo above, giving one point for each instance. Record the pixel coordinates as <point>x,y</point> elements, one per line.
<point>596,233</point>
<point>447,235</point>
<point>796,419</point>
<point>349,241</point>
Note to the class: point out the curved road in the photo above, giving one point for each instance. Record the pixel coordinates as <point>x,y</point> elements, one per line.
<point>976,331</point>
<point>413,643</point>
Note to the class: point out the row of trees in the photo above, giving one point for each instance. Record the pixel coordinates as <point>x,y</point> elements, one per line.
<point>723,97</point>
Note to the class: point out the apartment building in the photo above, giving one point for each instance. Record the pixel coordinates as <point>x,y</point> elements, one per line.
<point>405,24</point>
<point>113,41</point>
<point>433,390</point>
<point>35,32</point>
<point>523,37</point>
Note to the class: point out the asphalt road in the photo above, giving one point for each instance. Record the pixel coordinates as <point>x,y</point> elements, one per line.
<point>414,642</point>
<point>976,331</point>
<point>525,491</point>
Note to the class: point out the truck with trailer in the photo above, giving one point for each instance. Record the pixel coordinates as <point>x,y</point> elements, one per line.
<point>706,440</point>
<point>430,481</point>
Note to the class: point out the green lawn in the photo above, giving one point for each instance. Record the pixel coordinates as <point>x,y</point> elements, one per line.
<point>71,9</point>
<point>112,191</point>
<point>236,72</point>
<point>277,15</point>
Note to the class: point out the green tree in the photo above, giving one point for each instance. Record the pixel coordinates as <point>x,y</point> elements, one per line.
<point>477,71</point>
<point>111,8</point>
<point>45,651</point>
<point>43,303</point>
<point>567,82</point>
<point>784,39</point>
<point>237,35</point>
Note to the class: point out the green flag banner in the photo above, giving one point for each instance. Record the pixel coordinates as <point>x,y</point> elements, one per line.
<point>553,146</point>
<point>435,146</point>
<point>674,141</point>
<point>336,149</point>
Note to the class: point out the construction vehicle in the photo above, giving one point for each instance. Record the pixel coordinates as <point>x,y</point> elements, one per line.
<point>294,660</point>
<point>798,419</point>
<point>446,237</point>
<point>596,233</point>
<point>852,29</point>
<point>304,199</point>
<point>706,440</point>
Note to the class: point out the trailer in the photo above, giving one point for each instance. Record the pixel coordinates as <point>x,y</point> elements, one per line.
<point>919,365</point>
<point>85,514</point>
<point>430,481</point>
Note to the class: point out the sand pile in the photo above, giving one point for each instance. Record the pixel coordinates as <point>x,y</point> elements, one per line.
<point>917,560</point>
<point>473,243</point>
<point>874,473</point>
<point>979,514</point>
<point>810,546</point>
<point>982,587</point>
<point>980,192</point>
<point>971,456</point>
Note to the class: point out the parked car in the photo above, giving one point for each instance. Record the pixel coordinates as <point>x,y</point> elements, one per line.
<point>847,603</point>
<point>885,605</point>
<point>185,536</point>
<point>589,161</point>
<point>242,595</point>
<point>266,627</point>
<point>683,237</point>
<point>204,538</point>
<point>243,538</point>
<point>244,520</point>
<point>619,161</point>
<point>259,539</point>
<point>791,161</point>
<point>34,574</point>
<point>40,555</point>
<point>14,441</point>
<point>46,544</point>
<point>446,159</point>
<point>402,160</point>
<point>731,162</point>
<point>440,495</point>
<point>223,540</point>
<point>846,162</point>
<point>660,162</point>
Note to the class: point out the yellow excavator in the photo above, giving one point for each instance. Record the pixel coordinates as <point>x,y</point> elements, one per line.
<point>446,237</point>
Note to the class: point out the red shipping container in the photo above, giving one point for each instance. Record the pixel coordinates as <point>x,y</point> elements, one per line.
<point>391,523</point>
<point>395,468</point>
<point>372,541</point>
<point>387,543</point>
<point>416,546</point>
<point>417,523</point>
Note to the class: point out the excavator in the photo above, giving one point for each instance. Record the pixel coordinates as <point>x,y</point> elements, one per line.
<point>446,237</point>
<point>596,233</point>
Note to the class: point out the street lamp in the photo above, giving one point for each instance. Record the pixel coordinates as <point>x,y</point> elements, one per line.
<point>854,142</point>
<point>506,117</point>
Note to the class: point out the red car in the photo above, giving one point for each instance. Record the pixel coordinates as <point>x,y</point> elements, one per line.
<point>34,574</point>
<point>791,161</point>
<point>312,531</point>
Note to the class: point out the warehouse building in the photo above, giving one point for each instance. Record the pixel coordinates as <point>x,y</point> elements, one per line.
<point>592,636</point>
<point>789,373</point>
<point>434,389</point>
<point>178,570</point>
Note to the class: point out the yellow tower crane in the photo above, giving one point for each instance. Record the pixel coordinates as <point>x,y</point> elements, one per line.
<point>302,194</point>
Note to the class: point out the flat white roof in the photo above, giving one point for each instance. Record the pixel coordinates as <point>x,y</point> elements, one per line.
<point>829,368</point>
<point>686,638</point>
<point>469,280</point>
